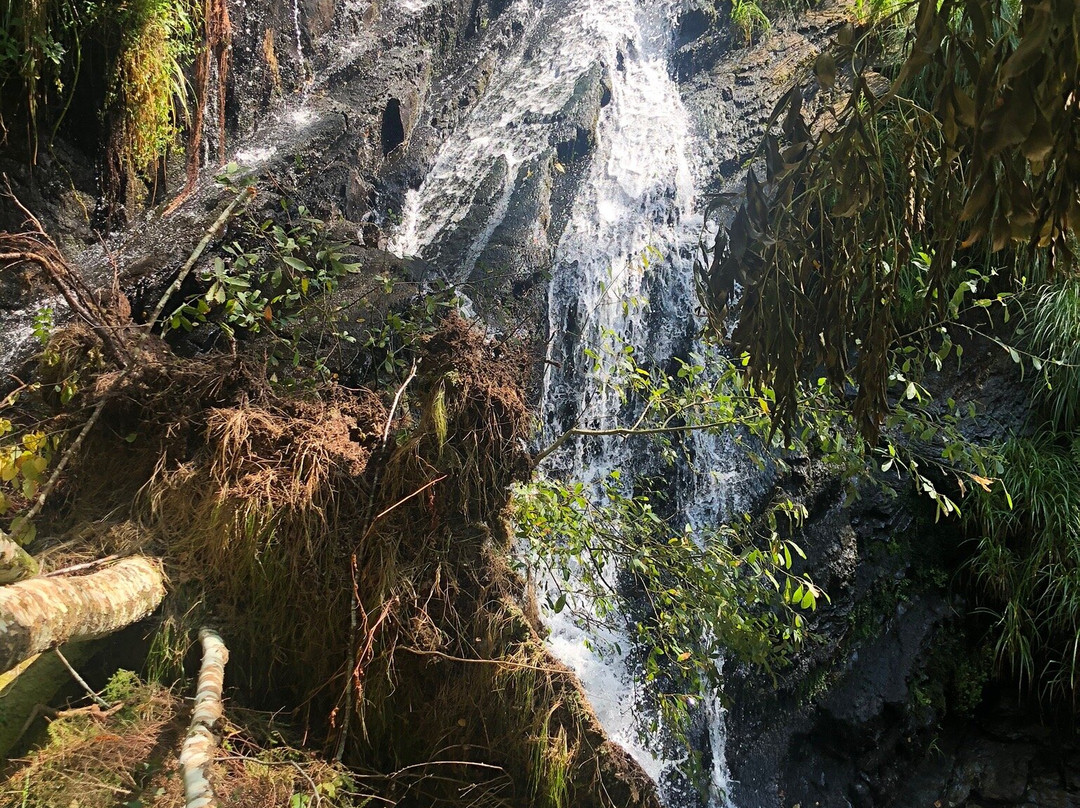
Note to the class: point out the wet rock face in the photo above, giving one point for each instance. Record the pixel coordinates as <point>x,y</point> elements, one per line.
<point>520,248</point>
<point>366,76</point>
<point>1006,756</point>
<point>854,722</point>
<point>851,724</point>
<point>732,88</point>
<point>838,729</point>
<point>317,17</point>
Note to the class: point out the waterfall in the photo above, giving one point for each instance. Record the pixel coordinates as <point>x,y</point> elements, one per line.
<point>631,236</point>
<point>299,36</point>
<point>629,239</point>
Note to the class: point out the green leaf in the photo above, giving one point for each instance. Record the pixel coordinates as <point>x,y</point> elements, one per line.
<point>23,531</point>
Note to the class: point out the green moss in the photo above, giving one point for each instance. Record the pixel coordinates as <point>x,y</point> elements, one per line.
<point>954,676</point>
<point>147,98</point>
<point>147,45</point>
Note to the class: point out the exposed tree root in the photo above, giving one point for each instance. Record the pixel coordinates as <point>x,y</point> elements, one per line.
<point>352,544</point>
<point>215,51</point>
<point>35,246</point>
<point>198,751</point>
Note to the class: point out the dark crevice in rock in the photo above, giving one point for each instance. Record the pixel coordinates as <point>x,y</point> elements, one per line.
<point>568,151</point>
<point>393,128</point>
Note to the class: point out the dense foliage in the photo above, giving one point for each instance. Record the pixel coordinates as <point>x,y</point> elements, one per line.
<point>140,66</point>
<point>1026,562</point>
<point>955,144</point>
<point>694,596</point>
<point>926,194</point>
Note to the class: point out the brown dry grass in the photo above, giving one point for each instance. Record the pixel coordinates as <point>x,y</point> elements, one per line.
<point>132,757</point>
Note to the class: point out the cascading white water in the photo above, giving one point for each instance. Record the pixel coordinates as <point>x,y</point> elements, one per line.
<point>637,204</point>
<point>299,36</point>
<point>635,207</point>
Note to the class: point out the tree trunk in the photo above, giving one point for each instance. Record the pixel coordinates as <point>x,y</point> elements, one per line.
<point>32,684</point>
<point>42,613</point>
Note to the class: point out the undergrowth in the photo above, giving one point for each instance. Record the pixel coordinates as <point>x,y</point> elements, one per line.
<point>148,91</point>
<point>128,755</point>
<point>349,543</point>
<point>142,53</point>
<point>1054,331</point>
<point>1026,563</point>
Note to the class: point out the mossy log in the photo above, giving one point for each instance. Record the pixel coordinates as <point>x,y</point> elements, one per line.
<point>42,613</point>
<point>15,563</point>
<point>32,684</point>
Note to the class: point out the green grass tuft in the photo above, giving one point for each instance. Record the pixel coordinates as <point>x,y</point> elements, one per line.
<point>1054,331</point>
<point>1026,564</point>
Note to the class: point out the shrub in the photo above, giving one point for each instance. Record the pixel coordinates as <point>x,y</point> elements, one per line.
<point>1026,563</point>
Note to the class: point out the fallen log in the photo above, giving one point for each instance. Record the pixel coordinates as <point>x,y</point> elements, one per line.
<point>198,750</point>
<point>43,613</point>
<point>32,683</point>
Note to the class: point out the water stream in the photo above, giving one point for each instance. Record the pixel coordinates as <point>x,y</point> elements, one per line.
<point>622,267</point>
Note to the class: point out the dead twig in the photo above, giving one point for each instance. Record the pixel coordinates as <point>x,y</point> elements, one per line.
<point>92,710</point>
<point>402,501</point>
<point>501,663</point>
<point>306,776</point>
<point>397,401</point>
<point>98,701</point>
<point>245,195</point>
<point>69,453</point>
<point>86,565</point>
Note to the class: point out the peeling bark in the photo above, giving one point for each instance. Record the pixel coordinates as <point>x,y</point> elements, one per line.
<point>198,751</point>
<point>42,613</point>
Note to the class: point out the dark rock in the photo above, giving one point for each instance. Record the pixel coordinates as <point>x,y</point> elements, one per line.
<point>392,128</point>
<point>317,16</point>
<point>1049,792</point>
<point>359,196</point>
<point>996,772</point>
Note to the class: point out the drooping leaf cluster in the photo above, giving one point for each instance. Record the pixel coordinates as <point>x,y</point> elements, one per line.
<point>956,143</point>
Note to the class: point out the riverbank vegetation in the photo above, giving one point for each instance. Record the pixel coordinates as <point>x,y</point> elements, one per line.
<point>323,460</point>
<point>124,80</point>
